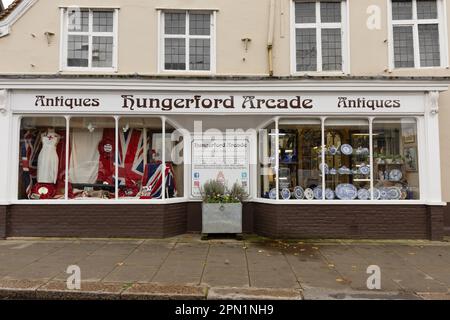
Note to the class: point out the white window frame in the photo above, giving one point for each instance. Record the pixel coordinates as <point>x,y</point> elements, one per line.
<point>187,37</point>
<point>65,34</point>
<point>441,21</point>
<point>318,25</point>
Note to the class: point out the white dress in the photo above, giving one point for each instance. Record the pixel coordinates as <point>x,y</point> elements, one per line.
<point>47,170</point>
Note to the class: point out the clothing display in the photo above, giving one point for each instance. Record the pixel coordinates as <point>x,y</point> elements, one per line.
<point>84,156</point>
<point>47,170</point>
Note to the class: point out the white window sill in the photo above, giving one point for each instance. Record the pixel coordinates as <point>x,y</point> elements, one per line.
<point>98,201</point>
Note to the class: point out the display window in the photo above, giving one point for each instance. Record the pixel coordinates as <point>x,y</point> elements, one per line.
<point>42,158</point>
<point>340,159</point>
<point>106,158</point>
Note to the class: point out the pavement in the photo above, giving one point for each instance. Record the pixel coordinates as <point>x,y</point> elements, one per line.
<point>187,267</point>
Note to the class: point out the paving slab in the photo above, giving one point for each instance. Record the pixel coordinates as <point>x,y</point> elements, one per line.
<point>348,294</point>
<point>226,276</point>
<point>131,273</point>
<point>19,289</point>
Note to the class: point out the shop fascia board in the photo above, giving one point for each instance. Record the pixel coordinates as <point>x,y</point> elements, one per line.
<point>6,24</point>
<point>214,85</point>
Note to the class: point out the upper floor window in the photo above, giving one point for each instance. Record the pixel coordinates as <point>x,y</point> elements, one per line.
<point>90,39</point>
<point>320,36</point>
<point>417,33</point>
<point>187,41</point>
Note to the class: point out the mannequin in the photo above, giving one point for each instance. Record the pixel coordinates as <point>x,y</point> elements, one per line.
<point>47,170</point>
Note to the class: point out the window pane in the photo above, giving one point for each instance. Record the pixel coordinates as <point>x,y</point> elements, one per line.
<point>403,47</point>
<point>78,51</point>
<point>199,24</point>
<point>396,163</point>
<point>103,21</point>
<point>347,159</point>
<point>174,162</point>
<point>306,50</point>
<point>102,52</point>
<point>427,9</point>
<point>401,9</point>
<point>199,54</point>
<point>331,49</point>
<point>175,54</point>
<point>299,155</point>
<point>92,158</point>
<point>305,12</point>
<point>42,163</point>
<point>330,11</point>
<point>78,20</point>
<point>429,45</point>
<point>175,23</point>
<point>139,159</point>
<point>267,162</point>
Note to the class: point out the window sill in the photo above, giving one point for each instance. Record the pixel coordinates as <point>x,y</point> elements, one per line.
<point>98,202</point>
<point>88,70</point>
<point>343,202</point>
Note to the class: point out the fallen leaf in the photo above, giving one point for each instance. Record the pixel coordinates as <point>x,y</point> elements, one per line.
<point>315,248</point>
<point>339,280</point>
<point>331,265</point>
<point>260,251</point>
<point>411,253</point>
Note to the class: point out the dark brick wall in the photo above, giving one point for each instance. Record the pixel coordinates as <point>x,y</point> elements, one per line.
<point>447,220</point>
<point>435,222</point>
<point>97,221</point>
<point>3,215</point>
<point>355,221</point>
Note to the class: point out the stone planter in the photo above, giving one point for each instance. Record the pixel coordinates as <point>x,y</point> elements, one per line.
<point>221,218</point>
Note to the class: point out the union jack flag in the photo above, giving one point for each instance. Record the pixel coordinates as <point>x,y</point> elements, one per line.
<point>153,180</point>
<point>131,157</point>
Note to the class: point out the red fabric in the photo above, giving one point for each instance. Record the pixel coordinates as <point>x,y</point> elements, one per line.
<point>51,191</point>
<point>106,148</point>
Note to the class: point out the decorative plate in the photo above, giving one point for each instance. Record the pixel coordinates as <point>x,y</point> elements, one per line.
<point>344,170</point>
<point>384,194</point>
<point>309,194</point>
<point>273,194</point>
<point>285,194</point>
<point>364,169</point>
<point>333,171</point>
<point>346,191</point>
<point>395,175</point>
<point>329,194</point>
<point>323,165</point>
<point>346,149</point>
<point>317,193</point>
<point>363,194</point>
<point>394,193</point>
<point>376,194</point>
<point>299,193</point>
<point>333,150</point>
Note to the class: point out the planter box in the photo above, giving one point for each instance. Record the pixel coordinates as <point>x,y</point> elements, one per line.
<point>221,218</point>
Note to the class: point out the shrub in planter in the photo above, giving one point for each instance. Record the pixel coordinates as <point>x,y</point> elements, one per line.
<point>222,208</point>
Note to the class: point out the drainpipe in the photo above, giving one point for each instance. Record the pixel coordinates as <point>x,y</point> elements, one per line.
<point>270,36</point>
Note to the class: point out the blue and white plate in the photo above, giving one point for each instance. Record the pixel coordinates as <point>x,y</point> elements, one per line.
<point>376,194</point>
<point>309,194</point>
<point>363,194</point>
<point>364,169</point>
<point>273,194</point>
<point>344,170</point>
<point>394,193</point>
<point>318,193</point>
<point>323,165</point>
<point>333,150</point>
<point>299,193</point>
<point>333,171</point>
<point>395,175</point>
<point>384,193</point>
<point>329,194</point>
<point>346,191</point>
<point>346,149</point>
<point>285,194</point>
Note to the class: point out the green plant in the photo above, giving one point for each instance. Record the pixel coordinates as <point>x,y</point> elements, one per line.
<point>214,191</point>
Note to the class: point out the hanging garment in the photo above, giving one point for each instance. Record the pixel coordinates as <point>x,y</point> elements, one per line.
<point>84,157</point>
<point>30,147</point>
<point>48,161</point>
<point>107,151</point>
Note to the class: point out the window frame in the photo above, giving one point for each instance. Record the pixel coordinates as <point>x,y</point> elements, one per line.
<point>420,154</point>
<point>318,26</point>
<point>162,36</point>
<point>65,36</point>
<point>441,21</point>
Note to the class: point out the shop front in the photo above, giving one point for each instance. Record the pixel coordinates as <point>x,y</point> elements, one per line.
<point>128,158</point>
